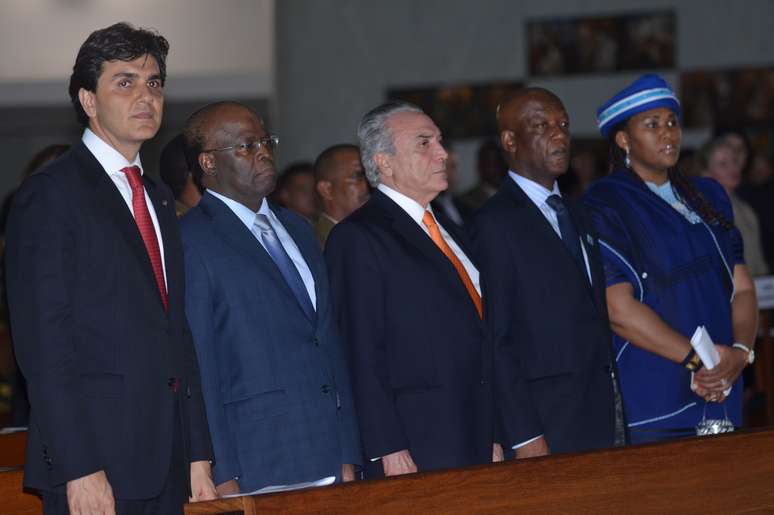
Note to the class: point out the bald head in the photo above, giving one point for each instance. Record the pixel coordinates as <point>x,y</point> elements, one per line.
<point>198,128</point>
<point>510,109</point>
<point>535,135</point>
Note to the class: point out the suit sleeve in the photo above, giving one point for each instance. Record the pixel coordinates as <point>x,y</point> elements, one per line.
<point>358,297</point>
<point>517,412</point>
<point>199,307</point>
<point>201,445</point>
<point>41,270</point>
<point>349,432</point>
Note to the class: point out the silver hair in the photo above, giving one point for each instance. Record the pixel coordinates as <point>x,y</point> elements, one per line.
<point>375,137</point>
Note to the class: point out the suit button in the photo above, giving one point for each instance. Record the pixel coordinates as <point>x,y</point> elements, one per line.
<point>482,382</point>
<point>316,342</point>
<point>325,388</point>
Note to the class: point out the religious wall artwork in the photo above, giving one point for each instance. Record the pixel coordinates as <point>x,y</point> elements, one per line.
<point>461,110</point>
<point>601,44</point>
<point>728,98</point>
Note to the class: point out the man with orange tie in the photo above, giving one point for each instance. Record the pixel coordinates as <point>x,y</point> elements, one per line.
<point>410,308</point>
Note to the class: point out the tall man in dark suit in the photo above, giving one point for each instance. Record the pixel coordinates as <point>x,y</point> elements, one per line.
<point>95,287</point>
<point>408,298</point>
<point>275,381</point>
<point>547,304</point>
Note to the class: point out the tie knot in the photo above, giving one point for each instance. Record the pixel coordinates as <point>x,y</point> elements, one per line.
<point>428,219</point>
<point>262,223</point>
<point>133,175</point>
<point>556,202</point>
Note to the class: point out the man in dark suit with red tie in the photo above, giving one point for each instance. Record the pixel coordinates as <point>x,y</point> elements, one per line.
<point>409,301</point>
<point>547,307</point>
<point>96,294</point>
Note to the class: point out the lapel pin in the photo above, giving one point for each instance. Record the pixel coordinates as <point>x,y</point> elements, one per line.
<point>163,202</point>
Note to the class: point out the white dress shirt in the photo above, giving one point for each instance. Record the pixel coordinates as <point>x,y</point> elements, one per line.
<point>538,195</point>
<point>417,212</point>
<point>247,216</point>
<point>112,162</point>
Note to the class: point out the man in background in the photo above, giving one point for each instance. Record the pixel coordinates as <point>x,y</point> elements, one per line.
<point>295,190</point>
<point>492,169</point>
<point>341,185</point>
<point>175,171</point>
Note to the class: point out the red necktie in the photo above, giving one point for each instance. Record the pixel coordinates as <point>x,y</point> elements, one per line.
<point>145,225</point>
<point>437,237</point>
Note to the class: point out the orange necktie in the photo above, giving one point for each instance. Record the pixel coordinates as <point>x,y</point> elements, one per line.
<point>435,235</point>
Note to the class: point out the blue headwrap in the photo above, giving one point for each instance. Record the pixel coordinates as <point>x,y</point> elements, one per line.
<point>646,93</point>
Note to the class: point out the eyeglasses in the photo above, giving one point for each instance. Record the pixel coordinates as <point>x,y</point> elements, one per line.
<point>270,142</point>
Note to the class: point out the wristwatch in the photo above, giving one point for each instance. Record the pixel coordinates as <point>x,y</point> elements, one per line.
<point>748,350</point>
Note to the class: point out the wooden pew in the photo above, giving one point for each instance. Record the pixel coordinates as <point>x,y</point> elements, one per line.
<point>12,449</point>
<point>725,474</point>
<point>13,499</point>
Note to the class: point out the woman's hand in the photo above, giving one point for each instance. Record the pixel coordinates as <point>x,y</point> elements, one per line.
<point>710,384</point>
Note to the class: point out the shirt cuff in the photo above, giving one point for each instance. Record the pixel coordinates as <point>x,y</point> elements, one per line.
<point>522,444</point>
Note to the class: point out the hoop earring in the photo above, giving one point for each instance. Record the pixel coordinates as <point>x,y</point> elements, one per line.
<point>627,161</point>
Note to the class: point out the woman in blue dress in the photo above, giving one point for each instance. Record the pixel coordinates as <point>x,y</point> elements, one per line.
<point>673,262</point>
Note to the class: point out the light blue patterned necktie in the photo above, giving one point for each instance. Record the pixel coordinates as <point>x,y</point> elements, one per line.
<point>286,267</point>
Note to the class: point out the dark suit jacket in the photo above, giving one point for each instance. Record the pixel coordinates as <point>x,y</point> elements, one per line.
<point>91,334</point>
<point>275,382</point>
<point>550,327</point>
<point>420,358</point>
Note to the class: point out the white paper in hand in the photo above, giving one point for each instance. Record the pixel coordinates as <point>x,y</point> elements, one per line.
<point>702,344</point>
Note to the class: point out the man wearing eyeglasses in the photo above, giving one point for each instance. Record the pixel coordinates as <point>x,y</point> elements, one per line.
<point>275,382</point>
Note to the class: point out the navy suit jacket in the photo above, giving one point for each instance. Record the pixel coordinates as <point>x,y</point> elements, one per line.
<point>91,335</point>
<point>275,382</point>
<point>550,327</point>
<point>420,357</point>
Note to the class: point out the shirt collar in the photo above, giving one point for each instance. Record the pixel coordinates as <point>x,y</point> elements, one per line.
<point>536,192</point>
<point>244,213</point>
<point>413,208</point>
<point>109,158</point>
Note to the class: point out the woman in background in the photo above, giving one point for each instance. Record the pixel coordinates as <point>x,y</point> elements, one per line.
<point>673,261</point>
<point>719,161</point>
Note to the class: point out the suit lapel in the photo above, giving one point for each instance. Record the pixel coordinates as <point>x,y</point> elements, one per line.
<point>229,227</point>
<point>110,201</point>
<point>589,242</point>
<point>409,231</point>
<point>536,221</point>
<point>310,251</point>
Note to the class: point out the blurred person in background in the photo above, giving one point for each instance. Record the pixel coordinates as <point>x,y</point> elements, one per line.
<point>175,171</point>
<point>720,160</point>
<point>341,185</point>
<point>582,172</point>
<point>295,190</point>
<point>446,202</point>
<point>758,190</point>
<point>491,169</point>
<point>673,261</point>
<point>13,387</point>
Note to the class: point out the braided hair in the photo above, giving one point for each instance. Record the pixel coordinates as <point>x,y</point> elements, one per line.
<point>683,186</point>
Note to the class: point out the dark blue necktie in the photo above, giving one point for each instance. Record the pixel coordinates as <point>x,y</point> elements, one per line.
<point>286,267</point>
<point>567,228</point>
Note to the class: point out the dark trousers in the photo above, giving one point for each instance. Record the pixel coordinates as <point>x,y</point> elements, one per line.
<point>169,502</point>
